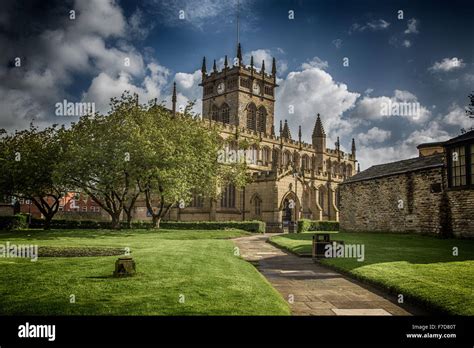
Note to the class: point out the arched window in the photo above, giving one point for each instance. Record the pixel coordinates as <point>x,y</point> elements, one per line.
<point>286,158</point>
<point>257,206</point>
<point>261,119</point>
<point>197,201</point>
<point>321,197</point>
<point>225,118</point>
<point>266,155</point>
<point>252,155</point>
<point>228,197</point>
<point>276,157</point>
<point>215,113</point>
<point>296,159</point>
<point>305,163</point>
<point>252,117</point>
<point>349,170</point>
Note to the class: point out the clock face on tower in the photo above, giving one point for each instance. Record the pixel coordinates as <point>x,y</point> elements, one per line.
<point>256,88</point>
<point>220,88</point>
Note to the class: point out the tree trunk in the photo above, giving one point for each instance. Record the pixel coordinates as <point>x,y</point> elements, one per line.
<point>115,224</point>
<point>47,221</point>
<point>156,222</point>
<point>129,219</point>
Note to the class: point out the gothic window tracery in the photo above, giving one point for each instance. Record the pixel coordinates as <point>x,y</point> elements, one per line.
<point>252,117</point>
<point>261,119</point>
<point>225,116</point>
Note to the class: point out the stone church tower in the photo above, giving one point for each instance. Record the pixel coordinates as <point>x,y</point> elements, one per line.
<point>239,95</point>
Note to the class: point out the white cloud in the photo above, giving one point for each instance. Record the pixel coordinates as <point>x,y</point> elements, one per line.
<point>188,89</point>
<point>406,43</point>
<point>401,104</point>
<point>447,64</point>
<point>337,43</point>
<point>59,52</point>
<point>265,54</point>
<point>457,117</point>
<point>104,86</point>
<point>315,62</point>
<point>402,149</point>
<point>136,26</point>
<point>373,25</point>
<point>311,91</point>
<point>412,26</point>
<point>202,12</point>
<point>373,135</point>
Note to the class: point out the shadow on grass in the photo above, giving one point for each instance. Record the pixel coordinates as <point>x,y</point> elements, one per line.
<point>56,234</point>
<point>34,234</point>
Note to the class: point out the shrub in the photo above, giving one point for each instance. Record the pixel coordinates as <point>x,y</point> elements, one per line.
<point>312,225</point>
<point>14,222</point>
<point>250,226</point>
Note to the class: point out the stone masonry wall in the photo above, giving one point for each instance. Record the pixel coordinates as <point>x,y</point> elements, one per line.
<point>397,203</point>
<point>461,203</point>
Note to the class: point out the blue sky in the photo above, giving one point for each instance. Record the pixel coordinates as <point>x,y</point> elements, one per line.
<point>425,58</point>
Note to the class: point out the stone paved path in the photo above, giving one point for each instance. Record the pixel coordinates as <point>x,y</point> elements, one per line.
<point>316,290</point>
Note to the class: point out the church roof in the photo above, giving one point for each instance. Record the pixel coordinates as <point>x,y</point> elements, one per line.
<point>399,167</point>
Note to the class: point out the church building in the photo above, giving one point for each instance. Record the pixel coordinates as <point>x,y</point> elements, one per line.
<point>291,179</point>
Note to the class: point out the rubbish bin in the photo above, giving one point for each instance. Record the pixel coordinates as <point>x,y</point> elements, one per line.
<point>320,240</point>
<point>291,227</point>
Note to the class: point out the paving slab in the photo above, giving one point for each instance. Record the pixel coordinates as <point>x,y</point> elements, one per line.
<point>316,289</point>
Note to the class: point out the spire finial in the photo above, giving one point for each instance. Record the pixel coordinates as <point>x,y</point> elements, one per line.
<point>318,130</point>
<point>353,147</point>
<point>286,131</point>
<point>203,68</point>
<point>239,53</point>
<point>173,99</point>
<point>274,68</point>
<point>263,67</point>
<point>214,67</point>
<point>299,134</point>
<point>226,64</point>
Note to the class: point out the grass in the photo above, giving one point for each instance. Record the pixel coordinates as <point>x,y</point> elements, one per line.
<point>200,265</point>
<point>422,268</point>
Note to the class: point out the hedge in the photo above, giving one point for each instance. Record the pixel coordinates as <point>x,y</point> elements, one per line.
<point>250,226</point>
<point>14,222</point>
<point>312,225</point>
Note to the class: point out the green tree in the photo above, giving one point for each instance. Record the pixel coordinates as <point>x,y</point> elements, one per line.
<point>142,149</point>
<point>100,156</point>
<point>178,159</point>
<point>470,107</point>
<point>29,165</point>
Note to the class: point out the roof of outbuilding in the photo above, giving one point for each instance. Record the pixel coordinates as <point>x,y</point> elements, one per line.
<point>462,137</point>
<point>399,167</point>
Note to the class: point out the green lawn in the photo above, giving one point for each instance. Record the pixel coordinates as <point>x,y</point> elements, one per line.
<point>422,268</point>
<point>200,265</point>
